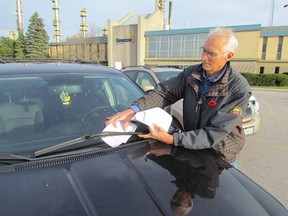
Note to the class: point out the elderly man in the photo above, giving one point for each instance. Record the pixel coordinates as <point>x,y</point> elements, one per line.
<point>215,99</point>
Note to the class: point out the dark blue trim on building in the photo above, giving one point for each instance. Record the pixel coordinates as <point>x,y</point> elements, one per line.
<point>238,28</point>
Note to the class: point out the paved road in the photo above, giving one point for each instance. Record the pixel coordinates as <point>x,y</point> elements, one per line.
<point>264,158</point>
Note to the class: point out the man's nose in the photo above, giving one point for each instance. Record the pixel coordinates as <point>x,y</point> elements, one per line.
<point>204,56</point>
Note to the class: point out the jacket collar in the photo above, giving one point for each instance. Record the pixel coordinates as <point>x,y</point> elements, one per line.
<point>220,88</point>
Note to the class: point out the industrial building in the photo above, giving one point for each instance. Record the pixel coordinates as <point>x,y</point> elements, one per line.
<point>146,40</point>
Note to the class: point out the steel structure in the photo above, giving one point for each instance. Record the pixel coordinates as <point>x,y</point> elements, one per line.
<point>56,21</point>
<point>84,25</point>
<point>160,4</point>
<point>170,15</point>
<point>19,15</point>
<point>271,17</point>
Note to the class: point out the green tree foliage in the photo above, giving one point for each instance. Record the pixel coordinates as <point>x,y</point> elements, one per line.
<point>36,38</point>
<point>6,47</point>
<point>19,48</point>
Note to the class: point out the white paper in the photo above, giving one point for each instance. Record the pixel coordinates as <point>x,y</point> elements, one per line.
<point>115,141</point>
<point>155,116</point>
<point>148,117</point>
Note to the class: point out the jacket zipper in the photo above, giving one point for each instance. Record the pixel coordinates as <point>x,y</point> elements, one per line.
<point>198,112</point>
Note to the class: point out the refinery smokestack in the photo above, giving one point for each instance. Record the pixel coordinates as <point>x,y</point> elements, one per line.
<point>84,26</point>
<point>271,13</point>
<point>19,15</point>
<point>56,21</point>
<point>170,15</point>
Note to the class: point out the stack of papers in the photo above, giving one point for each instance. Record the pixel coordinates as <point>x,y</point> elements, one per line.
<point>148,117</point>
<point>115,141</point>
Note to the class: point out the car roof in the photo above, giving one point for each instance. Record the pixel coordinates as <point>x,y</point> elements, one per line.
<point>155,69</point>
<point>163,69</point>
<point>31,67</point>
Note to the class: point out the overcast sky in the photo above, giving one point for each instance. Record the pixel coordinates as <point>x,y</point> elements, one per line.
<point>185,13</point>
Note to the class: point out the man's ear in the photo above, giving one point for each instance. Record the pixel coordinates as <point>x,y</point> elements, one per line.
<point>229,56</point>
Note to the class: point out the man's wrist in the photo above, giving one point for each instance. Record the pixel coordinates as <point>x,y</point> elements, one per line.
<point>170,140</point>
<point>135,108</point>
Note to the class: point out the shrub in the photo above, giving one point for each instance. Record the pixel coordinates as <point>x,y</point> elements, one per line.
<point>266,79</point>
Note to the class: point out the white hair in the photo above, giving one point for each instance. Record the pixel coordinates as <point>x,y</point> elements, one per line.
<point>231,42</point>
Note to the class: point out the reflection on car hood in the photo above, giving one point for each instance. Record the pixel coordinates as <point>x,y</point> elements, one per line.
<point>147,179</point>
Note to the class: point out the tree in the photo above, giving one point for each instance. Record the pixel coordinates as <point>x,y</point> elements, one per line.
<point>6,47</point>
<point>19,48</point>
<point>94,31</point>
<point>36,38</point>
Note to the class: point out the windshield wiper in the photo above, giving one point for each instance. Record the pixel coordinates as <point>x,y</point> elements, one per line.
<point>81,139</point>
<point>13,157</point>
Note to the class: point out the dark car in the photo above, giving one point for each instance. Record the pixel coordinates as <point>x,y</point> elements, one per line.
<point>54,162</point>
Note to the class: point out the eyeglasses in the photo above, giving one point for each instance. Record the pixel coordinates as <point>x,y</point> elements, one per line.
<point>211,54</point>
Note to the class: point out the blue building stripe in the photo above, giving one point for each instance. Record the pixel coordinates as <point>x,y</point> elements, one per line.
<point>238,28</point>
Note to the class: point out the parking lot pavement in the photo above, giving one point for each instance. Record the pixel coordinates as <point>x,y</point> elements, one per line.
<point>267,166</point>
<point>264,157</point>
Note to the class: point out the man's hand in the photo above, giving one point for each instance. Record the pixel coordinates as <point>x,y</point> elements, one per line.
<point>125,116</point>
<point>159,134</point>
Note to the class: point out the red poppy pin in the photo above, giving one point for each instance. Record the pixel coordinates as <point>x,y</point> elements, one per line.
<point>212,103</point>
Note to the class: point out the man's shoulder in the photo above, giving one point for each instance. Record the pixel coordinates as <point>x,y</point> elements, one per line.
<point>238,80</point>
<point>195,69</point>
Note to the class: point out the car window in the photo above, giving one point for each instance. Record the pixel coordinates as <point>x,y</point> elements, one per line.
<point>132,74</point>
<point>52,108</point>
<point>124,92</point>
<point>145,81</point>
<point>163,76</point>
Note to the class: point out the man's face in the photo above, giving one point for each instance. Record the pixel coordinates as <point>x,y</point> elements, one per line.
<point>182,202</point>
<point>213,57</point>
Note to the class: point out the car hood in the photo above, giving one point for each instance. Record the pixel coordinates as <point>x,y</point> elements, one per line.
<point>132,180</point>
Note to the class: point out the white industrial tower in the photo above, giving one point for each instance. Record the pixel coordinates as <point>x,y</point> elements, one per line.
<point>84,26</point>
<point>19,15</point>
<point>160,4</point>
<point>56,21</point>
<point>271,17</point>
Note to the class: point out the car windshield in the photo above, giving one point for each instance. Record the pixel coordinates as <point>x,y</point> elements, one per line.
<point>165,75</point>
<point>38,111</point>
